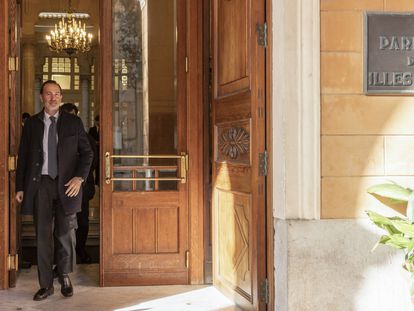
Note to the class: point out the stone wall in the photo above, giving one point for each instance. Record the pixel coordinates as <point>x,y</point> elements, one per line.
<point>327,265</point>
<point>364,139</point>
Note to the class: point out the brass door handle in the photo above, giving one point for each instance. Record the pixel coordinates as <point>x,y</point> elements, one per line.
<point>183,167</point>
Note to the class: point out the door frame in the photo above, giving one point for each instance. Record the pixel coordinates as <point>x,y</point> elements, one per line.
<point>196,89</point>
<point>14,129</point>
<point>194,133</point>
<point>270,263</point>
<point>4,144</point>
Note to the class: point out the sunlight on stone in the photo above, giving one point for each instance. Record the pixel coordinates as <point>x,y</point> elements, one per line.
<point>206,299</point>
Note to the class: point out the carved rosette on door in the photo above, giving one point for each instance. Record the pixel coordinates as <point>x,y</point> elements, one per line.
<point>233,142</point>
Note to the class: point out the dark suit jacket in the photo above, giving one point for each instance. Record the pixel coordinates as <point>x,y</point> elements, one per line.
<point>74,159</point>
<point>93,131</point>
<point>89,185</point>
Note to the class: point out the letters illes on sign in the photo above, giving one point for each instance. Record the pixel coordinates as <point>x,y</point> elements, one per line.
<point>389,53</point>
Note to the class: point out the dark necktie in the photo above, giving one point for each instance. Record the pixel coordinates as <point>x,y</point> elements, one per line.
<point>52,149</point>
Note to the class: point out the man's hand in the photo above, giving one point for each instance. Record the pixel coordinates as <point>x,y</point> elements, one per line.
<point>19,196</point>
<point>73,186</point>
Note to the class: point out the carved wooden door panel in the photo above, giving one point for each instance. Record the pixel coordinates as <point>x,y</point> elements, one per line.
<point>144,190</point>
<point>239,121</point>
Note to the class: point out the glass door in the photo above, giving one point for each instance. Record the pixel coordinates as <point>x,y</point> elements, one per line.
<point>145,213</point>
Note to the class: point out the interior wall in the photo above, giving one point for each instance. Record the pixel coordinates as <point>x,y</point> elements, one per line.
<point>364,139</point>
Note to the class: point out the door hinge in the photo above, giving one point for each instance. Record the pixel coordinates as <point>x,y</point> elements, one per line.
<point>261,30</point>
<point>186,64</point>
<point>187,259</point>
<point>12,262</point>
<point>13,63</point>
<point>263,163</point>
<point>11,163</point>
<point>264,291</point>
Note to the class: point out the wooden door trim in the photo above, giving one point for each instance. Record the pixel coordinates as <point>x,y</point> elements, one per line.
<point>105,88</point>
<point>14,134</point>
<point>195,140</point>
<point>4,130</point>
<point>269,180</point>
<point>259,143</point>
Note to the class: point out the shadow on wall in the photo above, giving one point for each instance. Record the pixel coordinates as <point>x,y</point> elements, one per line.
<point>332,268</point>
<point>330,263</point>
<point>359,150</point>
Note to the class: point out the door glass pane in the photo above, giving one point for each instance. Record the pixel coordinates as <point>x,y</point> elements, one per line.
<point>144,93</point>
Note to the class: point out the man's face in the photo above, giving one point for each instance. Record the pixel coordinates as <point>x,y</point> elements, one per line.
<point>51,98</point>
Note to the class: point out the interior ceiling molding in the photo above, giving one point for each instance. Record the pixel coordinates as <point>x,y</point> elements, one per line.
<point>47,28</point>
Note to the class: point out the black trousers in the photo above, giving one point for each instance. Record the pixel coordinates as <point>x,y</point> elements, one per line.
<point>83,226</point>
<point>55,233</point>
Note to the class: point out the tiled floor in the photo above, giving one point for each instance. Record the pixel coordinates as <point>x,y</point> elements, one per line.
<point>88,296</point>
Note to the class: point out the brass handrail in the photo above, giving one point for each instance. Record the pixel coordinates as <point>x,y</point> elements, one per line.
<point>153,156</point>
<point>183,167</point>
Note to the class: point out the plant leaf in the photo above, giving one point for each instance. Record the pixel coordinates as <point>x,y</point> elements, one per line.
<point>404,227</point>
<point>396,241</point>
<point>392,191</point>
<point>410,208</point>
<point>386,223</point>
<point>410,255</point>
<point>382,240</point>
<point>393,182</point>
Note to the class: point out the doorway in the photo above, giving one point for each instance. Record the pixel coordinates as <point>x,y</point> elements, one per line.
<point>139,120</point>
<point>77,75</point>
<point>155,161</point>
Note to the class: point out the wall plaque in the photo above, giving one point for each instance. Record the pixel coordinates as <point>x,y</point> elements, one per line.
<point>389,53</point>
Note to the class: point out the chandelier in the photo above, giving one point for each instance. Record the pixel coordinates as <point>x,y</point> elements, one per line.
<point>69,36</point>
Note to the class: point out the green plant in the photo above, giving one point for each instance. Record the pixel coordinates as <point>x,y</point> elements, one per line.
<point>399,230</point>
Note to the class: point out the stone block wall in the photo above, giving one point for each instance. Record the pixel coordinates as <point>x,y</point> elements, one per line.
<point>364,139</point>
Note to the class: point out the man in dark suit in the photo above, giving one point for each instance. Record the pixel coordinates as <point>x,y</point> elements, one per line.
<point>25,116</point>
<point>88,194</point>
<point>94,132</point>
<point>54,160</point>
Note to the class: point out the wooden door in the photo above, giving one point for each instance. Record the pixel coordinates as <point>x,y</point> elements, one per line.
<point>9,127</point>
<point>14,135</point>
<point>239,247</point>
<point>4,144</point>
<point>144,220</point>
